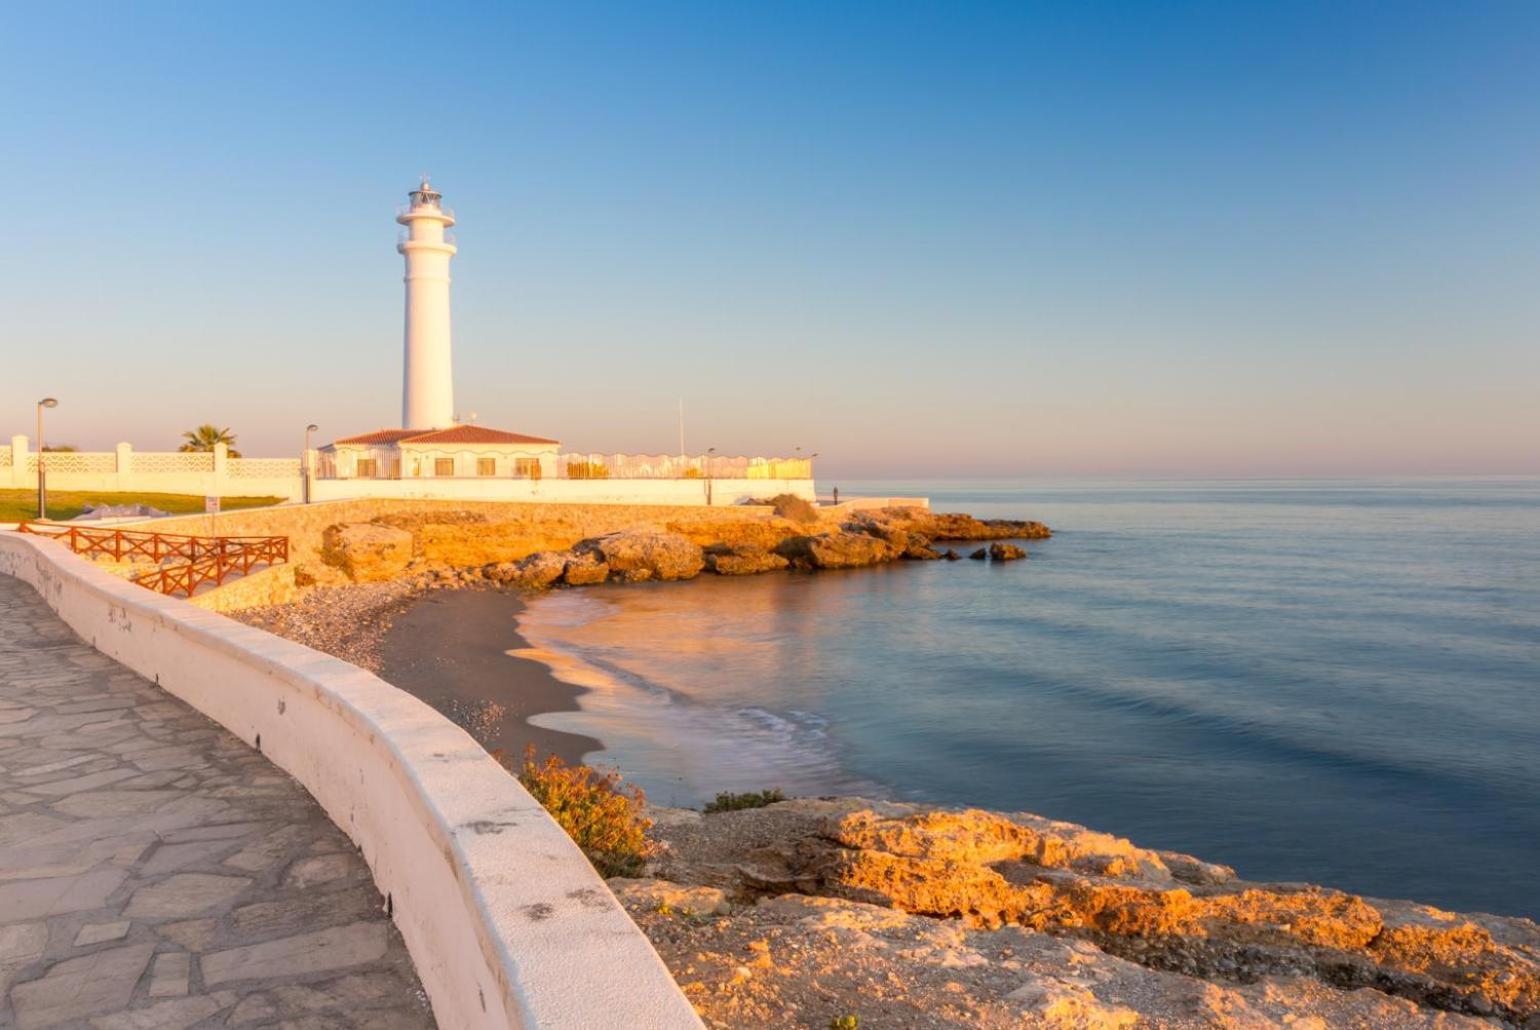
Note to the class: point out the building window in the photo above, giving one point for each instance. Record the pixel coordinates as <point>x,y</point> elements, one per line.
<point>393,468</point>
<point>443,466</point>
<point>366,468</point>
<point>486,466</point>
<point>526,468</point>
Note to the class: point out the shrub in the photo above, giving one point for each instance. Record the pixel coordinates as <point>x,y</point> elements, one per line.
<point>790,506</point>
<point>728,802</point>
<point>845,1023</point>
<point>602,817</point>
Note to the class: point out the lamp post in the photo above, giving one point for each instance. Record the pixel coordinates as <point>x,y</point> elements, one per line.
<point>304,463</point>
<point>710,452</point>
<point>42,475</point>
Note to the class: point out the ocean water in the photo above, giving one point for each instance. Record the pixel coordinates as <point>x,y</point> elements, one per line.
<point>1329,681</point>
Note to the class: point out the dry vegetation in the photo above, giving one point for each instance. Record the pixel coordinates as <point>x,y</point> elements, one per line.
<point>603,817</point>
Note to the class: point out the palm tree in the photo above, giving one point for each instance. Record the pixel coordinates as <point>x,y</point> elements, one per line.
<point>206,436</point>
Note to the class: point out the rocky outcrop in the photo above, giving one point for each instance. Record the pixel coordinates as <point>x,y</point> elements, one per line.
<point>536,572</point>
<point>452,548</point>
<point>1005,552</point>
<point>966,527</point>
<point>747,534</point>
<point>367,552</point>
<point>806,963</point>
<point>634,555</point>
<point>1161,910</point>
<point>839,550</point>
<point>584,569</point>
<point>743,561</point>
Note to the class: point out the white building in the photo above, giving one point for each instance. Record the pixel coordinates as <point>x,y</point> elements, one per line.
<point>455,452</point>
<point>430,443</point>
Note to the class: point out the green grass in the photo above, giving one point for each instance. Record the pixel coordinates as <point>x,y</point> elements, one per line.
<point>17,505</point>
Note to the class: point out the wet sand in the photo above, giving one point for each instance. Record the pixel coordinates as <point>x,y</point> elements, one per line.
<point>450,649</point>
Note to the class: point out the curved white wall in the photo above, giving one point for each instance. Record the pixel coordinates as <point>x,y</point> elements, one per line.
<point>507,923</point>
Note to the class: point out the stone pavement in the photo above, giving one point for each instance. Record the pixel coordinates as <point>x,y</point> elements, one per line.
<point>155,872</point>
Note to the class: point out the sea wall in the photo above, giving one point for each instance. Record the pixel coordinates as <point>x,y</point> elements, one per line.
<point>506,921</point>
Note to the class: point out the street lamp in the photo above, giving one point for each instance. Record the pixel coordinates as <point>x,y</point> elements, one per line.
<point>304,462</point>
<point>710,452</point>
<point>42,476</point>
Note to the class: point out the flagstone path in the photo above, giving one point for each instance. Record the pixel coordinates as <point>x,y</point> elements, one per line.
<point>155,872</point>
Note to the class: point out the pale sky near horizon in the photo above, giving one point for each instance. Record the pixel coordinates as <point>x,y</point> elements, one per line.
<point>1194,239</point>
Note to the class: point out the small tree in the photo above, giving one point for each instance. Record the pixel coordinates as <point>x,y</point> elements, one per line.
<point>206,436</point>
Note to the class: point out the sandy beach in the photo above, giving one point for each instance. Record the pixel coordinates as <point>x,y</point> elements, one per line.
<point>468,674</point>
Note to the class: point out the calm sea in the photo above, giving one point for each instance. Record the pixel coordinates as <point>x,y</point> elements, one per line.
<point>1331,681</point>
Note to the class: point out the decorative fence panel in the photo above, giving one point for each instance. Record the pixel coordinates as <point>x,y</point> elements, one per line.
<point>575,465</point>
<point>261,468</point>
<point>172,463</point>
<point>80,462</point>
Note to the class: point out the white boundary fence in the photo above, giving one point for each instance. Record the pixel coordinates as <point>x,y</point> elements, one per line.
<point>576,477</point>
<point>207,473</point>
<point>506,922</point>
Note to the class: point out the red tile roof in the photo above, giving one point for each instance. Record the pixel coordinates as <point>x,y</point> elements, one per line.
<point>380,436</point>
<point>475,434</point>
<point>450,435</point>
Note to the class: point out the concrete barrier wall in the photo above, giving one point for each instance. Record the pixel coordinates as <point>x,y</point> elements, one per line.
<point>507,923</point>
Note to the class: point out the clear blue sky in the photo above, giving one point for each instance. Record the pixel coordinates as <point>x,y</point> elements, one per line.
<point>1162,238</point>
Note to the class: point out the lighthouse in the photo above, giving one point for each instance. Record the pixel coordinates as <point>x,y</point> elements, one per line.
<point>427,394</point>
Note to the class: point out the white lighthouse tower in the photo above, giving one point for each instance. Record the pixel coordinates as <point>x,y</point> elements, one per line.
<point>427,395</point>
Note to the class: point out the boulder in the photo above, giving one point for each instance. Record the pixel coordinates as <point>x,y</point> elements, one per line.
<point>841,550</point>
<point>743,562</point>
<point>918,548</point>
<point>1005,552</point>
<point>634,555</point>
<point>951,555</point>
<point>980,554</point>
<point>367,552</point>
<point>537,572</point>
<point>586,568</point>
<point>884,525</point>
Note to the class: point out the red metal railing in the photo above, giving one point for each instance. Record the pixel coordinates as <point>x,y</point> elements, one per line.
<point>205,558</point>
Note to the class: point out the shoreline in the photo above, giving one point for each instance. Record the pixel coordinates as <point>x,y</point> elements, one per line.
<point>981,917</point>
<point>380,626</point>
<point>481,673</point>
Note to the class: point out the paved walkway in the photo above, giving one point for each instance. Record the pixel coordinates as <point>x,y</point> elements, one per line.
<point>157,872</point>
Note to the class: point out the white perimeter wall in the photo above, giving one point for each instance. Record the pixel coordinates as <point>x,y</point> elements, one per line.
<point>570,491</point>
<point>219,475</point>
<point>209,474</point>
<point>507,923</point>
